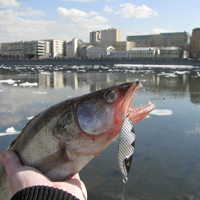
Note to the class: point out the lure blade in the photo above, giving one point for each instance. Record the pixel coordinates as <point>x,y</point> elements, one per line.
<point>126,146</point>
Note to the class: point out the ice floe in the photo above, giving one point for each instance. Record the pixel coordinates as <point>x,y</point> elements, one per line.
<point>8,81</point>
<point>27,84</point>
<point>153,66</point>
<point>195,131</point>
<point>181,72</point>
<point>161,112</point>
<point>10,131</point>
<point>29,118</point>
<point>39,92</point>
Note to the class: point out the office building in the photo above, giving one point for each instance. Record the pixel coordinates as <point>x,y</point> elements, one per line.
<point>162,39</point>
<point>36,49</point>
<point>12,50</point>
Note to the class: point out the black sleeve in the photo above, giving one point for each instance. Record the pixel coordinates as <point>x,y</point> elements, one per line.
<point>42,193</point>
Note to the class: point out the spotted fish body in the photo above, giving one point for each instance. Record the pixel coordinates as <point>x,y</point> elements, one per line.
<point>61,140</point>
<point>126,146</point>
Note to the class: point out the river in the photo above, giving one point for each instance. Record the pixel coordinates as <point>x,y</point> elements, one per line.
<point>166,161</point>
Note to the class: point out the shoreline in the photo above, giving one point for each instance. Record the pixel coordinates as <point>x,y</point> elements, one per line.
<point>111,62</point>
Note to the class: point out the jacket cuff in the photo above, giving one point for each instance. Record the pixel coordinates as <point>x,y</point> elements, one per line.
<point>42,193</point>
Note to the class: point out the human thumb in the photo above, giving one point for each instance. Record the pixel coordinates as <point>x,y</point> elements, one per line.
<point>11,162</point>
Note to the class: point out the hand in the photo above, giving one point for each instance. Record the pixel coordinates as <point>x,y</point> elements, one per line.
<point>21,177</point>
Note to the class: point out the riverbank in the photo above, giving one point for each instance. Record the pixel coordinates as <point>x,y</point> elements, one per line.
<point>100,62</point>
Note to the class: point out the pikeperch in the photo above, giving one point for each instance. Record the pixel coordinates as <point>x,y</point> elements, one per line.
<point>61,140</point>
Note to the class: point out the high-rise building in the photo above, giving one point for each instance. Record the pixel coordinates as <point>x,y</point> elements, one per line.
<point>95,36</point>
<point>108,35</point>
<point>111,35</point>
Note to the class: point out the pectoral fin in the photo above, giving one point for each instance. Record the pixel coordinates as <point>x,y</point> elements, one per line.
<point>52,161</point>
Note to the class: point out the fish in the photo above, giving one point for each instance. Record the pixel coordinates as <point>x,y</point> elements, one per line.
<point>62,139</point>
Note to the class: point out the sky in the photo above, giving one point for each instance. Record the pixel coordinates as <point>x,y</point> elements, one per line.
<point>67,19</point>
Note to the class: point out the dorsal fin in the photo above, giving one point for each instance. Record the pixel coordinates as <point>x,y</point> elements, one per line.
<point>24,129</point>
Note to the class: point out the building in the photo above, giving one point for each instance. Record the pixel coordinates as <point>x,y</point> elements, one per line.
<point>162,39</point>
<point>56,47</point>
<point>108,35</point>
<point>32,49</point>
<point>195,43</point>
<point>136,53</point>
<point>151,53</point>
<point>95,36</point>
<point>36,49</point>
<point>99,53</point>
<point>143,53</point>
<point>72,48</point>
<point>111,35</point>
<point>84,50</point>
<point>170,53</point>
<point>12,50</point>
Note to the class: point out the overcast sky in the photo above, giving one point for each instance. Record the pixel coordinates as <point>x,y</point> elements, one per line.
<point>67,19</point>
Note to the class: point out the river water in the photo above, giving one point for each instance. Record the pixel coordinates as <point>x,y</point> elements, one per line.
<point>166,161</point>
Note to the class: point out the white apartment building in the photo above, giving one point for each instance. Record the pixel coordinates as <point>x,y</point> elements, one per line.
<point>56,47</point>
<point>111,35</point>
<point>99,53</point>
<point>36,49</point>
<point>12,50</point>
<point>108,35</point>
<point>72,48</point>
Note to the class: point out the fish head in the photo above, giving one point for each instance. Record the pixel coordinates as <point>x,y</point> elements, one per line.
<point>100,114</point>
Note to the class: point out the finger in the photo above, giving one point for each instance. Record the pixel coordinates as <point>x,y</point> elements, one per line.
<point>10,161</point>
<point>76,176</point>
<point>76,181</point>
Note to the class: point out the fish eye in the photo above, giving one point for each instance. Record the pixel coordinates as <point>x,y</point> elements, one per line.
<point>111,96</point>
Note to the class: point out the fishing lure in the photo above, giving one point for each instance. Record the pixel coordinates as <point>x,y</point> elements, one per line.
<point>126,145</point>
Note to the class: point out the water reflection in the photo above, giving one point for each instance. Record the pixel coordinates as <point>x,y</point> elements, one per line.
<point>166,162</point>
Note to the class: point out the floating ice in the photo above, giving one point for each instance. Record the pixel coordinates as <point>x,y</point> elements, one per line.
<point>29,118</point>
<point>181,72</point>
<point>39,92</point>
<point>9,131</point>
<point>8,81</point>
<point>161,112</point>
<point>167,74</point>
<point>194,132</point>
<point>27,84</point>
<point>154,66</point>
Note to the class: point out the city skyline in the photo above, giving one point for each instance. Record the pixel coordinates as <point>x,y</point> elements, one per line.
<point>67,19</point>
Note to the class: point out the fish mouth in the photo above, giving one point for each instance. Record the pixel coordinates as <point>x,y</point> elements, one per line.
<point>135,115</point>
